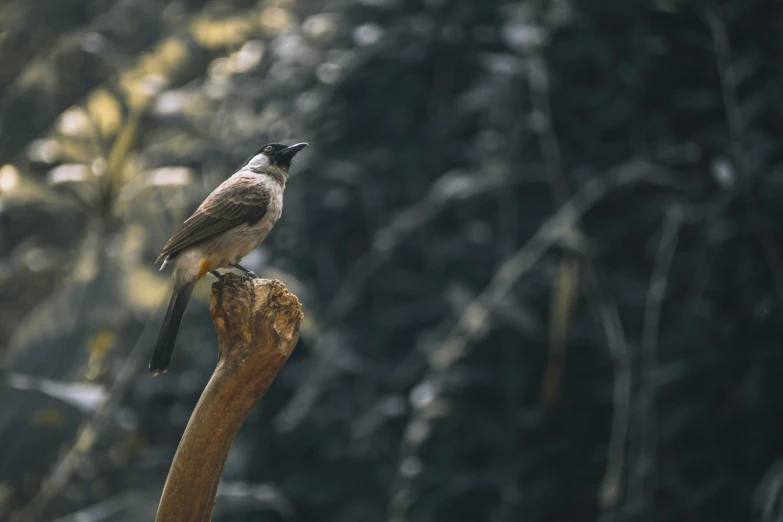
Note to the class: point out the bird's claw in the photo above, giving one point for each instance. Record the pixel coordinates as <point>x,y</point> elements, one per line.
<point>245,272</point>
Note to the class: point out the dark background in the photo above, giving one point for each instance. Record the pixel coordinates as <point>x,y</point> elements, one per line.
<point>537,244</point>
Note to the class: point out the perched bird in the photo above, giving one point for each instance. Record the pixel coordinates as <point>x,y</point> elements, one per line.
<point>231,222</point>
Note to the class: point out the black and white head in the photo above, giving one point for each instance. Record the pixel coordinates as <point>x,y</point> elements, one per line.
<point>273,158</point>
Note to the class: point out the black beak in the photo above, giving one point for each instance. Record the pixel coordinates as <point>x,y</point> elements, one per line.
<point>290,152</point>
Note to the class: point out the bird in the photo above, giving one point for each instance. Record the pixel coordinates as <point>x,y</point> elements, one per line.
<point>234,219</point>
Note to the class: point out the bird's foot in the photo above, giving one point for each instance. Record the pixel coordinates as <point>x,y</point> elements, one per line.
<point>248,273</point>
<point>217,274</point>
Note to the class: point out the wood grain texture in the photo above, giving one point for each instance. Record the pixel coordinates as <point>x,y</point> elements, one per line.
<point>257,322</point>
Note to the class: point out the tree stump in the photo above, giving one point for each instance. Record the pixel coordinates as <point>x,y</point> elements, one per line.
<point>257,322</point>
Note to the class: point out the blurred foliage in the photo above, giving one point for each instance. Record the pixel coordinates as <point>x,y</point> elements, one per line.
<point>535,240</point>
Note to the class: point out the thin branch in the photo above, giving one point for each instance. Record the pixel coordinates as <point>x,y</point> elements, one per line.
<point>720,42</point>
<point>734,119</point>
<point>641,483</point>
<point>538,78</point>
<point>611,489</point>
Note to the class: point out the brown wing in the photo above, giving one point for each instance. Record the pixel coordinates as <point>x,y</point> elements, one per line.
<point>240,199</point>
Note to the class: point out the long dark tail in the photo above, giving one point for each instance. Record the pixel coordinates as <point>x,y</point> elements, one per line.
<point>164,348</point>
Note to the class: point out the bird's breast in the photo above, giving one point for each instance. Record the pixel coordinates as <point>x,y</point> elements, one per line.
<point>238,242</point>
<point>225,249</point>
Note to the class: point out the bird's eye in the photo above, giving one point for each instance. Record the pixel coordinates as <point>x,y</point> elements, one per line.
<point>268,148</point>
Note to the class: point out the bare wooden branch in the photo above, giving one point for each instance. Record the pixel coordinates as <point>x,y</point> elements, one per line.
<point>257,322</point>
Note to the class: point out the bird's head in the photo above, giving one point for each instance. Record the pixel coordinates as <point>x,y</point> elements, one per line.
<point>273,157</point>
